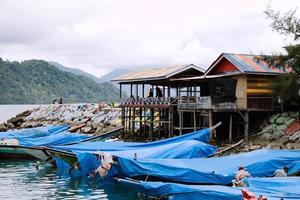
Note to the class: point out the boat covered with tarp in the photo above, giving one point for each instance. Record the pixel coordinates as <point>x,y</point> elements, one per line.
<point>217,170</point>
<point>270,188</point>
<point>28,142</point>
<point>192,145</point>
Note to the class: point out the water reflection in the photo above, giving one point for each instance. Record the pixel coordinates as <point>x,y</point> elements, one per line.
<point>19,179</point>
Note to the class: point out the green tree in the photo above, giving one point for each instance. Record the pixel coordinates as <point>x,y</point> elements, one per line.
<point>287,86</point>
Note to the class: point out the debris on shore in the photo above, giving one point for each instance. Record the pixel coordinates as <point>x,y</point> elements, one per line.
<point>281,132</point>
<point>84,118</point>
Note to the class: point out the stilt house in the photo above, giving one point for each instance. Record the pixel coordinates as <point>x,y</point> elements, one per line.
<point>235,89</point>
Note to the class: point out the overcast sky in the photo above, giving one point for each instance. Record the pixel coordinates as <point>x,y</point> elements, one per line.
<point>100,35</point>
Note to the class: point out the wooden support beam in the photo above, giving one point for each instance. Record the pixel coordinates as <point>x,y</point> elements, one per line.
<point>210,123</point>
<point>133,122</point>
<point>137,90</point>
<point>129,119</point>
<point>126,126</point>
<point>123,116</point>
<point>151,122</point>
<point>195,122</point>
<point>246,127</point>
<point>141,121</point>
<point>230,128</point>
<point>120,91</point>
<point>180,121</point>
<point>130,90</point>
<point>143,90</point>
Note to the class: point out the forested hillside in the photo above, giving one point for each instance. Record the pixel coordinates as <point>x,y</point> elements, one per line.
<point>37,81</point>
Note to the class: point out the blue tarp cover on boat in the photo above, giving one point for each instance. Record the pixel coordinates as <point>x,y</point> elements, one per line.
<point>42,136</point>
<point>278,185</point>
<point>201,135</point>
<point>211,192</point>
<point>259,163</point>
<point>32,132</point>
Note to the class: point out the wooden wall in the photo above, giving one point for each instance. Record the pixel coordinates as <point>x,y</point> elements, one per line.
<point>241,94</point>
<point>259,85</point>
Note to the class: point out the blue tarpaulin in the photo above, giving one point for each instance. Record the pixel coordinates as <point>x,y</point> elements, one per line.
<point>259,163</point>
<point>212,192</point>
<point>32,132</point>
<point>188,146</point>
<point>42,136</point>
<point>201,135</point>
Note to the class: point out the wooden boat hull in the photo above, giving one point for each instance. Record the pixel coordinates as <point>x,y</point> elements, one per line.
<point>13,152</point>
<point>22,152</point>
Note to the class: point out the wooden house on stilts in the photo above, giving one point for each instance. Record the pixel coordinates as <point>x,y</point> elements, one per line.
<point>235,89</point>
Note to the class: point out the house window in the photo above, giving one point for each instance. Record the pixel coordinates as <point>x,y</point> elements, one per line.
<point>219,91</point>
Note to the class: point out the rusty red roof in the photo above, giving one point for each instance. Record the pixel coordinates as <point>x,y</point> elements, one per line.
<point>156,73</point>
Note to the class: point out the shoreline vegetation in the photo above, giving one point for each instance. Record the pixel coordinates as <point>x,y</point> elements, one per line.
<point>281,131</point>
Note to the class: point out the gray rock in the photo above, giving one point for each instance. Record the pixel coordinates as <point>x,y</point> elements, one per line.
<point>87,129</point>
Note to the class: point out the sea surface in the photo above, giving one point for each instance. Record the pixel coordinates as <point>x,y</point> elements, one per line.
<point>9,111</point>
<point>19,179</point>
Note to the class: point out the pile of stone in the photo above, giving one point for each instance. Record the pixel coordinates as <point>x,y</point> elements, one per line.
<point>278,124</point>
<point>84,118</point>
<point>282,132</point>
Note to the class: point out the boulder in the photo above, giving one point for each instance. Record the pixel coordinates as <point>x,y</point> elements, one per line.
<point>3,128</point>
<point>87,129</point>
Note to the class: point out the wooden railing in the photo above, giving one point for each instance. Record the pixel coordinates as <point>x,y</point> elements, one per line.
<point>251,103</point>
<point>149,101</point>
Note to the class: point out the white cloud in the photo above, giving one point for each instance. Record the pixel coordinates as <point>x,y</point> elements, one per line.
<point>98,36</point>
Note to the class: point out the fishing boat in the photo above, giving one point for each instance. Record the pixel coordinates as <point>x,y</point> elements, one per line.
<point>12,148</point>
<point>192,145</point>
<point>269,188</point>
<point>218,170</point>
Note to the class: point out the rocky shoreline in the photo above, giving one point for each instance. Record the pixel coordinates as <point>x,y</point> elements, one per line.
<point>282,131</point>
<point>83,118</point>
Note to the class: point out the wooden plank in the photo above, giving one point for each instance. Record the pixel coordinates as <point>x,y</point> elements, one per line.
<point>230,128</point>
<point>246,127</point>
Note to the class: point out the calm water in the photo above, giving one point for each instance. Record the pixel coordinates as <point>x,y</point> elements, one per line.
<point>8,111</point>
<point>19,179</point>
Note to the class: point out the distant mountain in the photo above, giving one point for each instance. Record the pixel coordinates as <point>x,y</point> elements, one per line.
<point>73,70</point>
<point>37,81</point>
<point>114,74</point>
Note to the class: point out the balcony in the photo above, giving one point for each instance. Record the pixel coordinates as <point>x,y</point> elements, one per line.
<point>250,103</point>
<point>155,102</point>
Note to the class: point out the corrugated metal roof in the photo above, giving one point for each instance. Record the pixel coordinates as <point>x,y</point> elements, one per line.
<point>247,63</point>
<point>156,73</point>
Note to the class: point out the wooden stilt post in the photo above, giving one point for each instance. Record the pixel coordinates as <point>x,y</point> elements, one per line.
<point>145,122</point>
<point>123,116</point>
<point>180,121</point>
<point>126,126</point>
<point>210,124</point>
<point>246,126</point>
<point>195,122</point>
<point>141,121</point>
<point>133,121</point>
<point>120,91</point>
<point>143,90</point>
<point>151,122</point>
<point>230,128</point>
<point>129,119</point>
